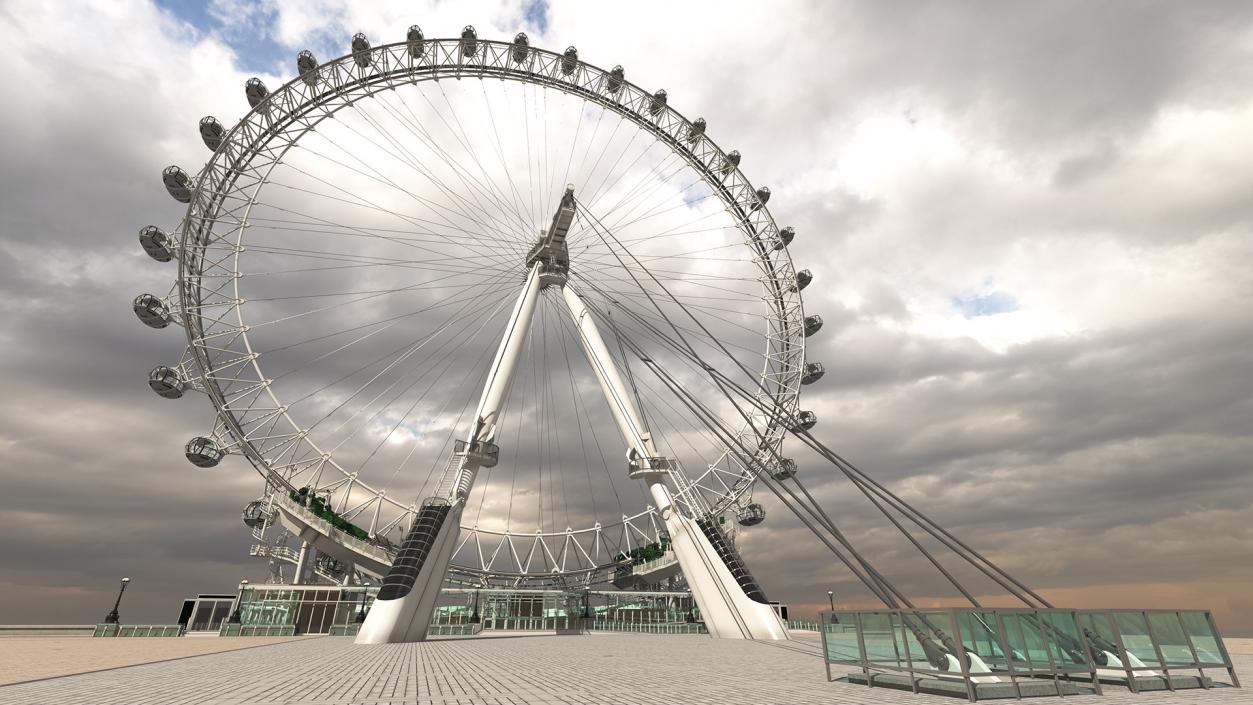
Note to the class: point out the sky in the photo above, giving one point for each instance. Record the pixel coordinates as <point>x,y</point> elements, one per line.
<point>1029,225</point>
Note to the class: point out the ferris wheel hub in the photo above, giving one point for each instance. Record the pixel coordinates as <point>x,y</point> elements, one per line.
<point>550,249</point>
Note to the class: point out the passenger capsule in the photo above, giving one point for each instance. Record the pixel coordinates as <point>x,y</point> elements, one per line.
<point>615,78</point>
<point>211,132</point>
<point>469,41</point>
<point>156,243</point>
<point>805,420</point>
<point>696,131</point>
<point>203,452</point>
<point>658,102</point>
<point>569,60</point>
<point>256,91</point>
<point>178,183</point>
<point>151,311</point>
<point>361,50</point>
<point>253,513</point>
<point>813,324</point>
<point>731,162</point>
<point>786,469</point>
<point>762,197</point>
<point>751,515</point>
<point>417,42</point>
<point>786,235</point>
<point>813,372</point>
<point>521,47</point>
<point>166,382</point>
<point>803,278</point>
<point>307,68</point>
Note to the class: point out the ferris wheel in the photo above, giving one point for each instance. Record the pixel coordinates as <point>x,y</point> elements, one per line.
<point>449,281</point>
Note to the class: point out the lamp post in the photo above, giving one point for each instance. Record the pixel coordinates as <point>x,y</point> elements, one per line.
<point>112,617</point>
<point>831,599</point>
<point>475,618</point>
<point>234,619</point>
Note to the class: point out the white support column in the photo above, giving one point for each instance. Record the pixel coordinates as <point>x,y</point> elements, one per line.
<point>302,564</point>
<point>727,610</point>
<point>406,614</point>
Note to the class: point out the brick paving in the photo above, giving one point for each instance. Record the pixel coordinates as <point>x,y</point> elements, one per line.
<point>514,669</point>
<point>28,658</point>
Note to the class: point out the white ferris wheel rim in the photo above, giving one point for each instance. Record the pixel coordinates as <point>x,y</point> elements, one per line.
<point>286,114</point>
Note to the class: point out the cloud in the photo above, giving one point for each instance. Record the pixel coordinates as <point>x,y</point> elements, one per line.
<point>1028,228</point>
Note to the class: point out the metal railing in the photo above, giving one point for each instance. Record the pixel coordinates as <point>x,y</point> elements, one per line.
<point>229,629</point>
<point>137,630</point>
<point>323,526</point>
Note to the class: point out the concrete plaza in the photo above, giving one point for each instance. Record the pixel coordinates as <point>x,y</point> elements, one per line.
<point>500,669</point>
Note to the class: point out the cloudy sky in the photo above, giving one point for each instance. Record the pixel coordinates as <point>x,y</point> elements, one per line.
<point>1029,225</point>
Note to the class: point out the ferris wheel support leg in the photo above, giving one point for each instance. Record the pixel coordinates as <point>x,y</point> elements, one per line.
<point>302,563</point>
<point>402,611</point>
<point>727,609</point>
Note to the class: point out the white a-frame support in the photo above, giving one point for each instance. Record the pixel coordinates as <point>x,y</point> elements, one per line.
<point>402,611</point>
<point>724,604</point>
<point>729,600</point>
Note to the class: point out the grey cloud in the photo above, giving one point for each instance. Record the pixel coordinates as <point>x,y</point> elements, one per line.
<point>1108,456</point>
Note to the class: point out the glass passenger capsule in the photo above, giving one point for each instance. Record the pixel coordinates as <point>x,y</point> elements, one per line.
<point>805,420</point>
<point>521,47</point>
<point>761,197</point>
<point>151,311</point>
<point>417,42</point>
<point>615,78</point>
<point>813,372</point>
<point>750,515</point>
<point>203,452</point>
<point>786,469</point>
<point>813,324</point>
<point>155,243</point>
<point>166,382</point>
<point>211,132</point>
<point>254,513</point>
<point>569,60</point>
<point>786,235</point>
<point>177,183</point>
<point>731,161</point>
<point>658,102</point>
<point>469,41</point>
<point>696,131</point>
<point>255,90</point>
<point>307,67</point>
<point>803,278</point>
<point>361,50</point>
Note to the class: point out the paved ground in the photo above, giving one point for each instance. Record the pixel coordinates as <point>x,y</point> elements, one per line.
<point>514,669</point>
<point>28,658</point>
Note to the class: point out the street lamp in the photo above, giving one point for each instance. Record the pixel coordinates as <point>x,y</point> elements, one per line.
<point>238,601</point>
<point>112,617</point>
<point>831,599</point>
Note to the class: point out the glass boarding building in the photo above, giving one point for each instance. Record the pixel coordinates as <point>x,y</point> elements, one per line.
<point>273,610</point>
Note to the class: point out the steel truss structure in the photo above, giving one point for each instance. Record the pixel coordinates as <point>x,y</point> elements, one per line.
<point>222,361</point>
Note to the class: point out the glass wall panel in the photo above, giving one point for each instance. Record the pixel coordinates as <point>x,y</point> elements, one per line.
<point>980,635</point>
<point>1171,639</point>
<point>878,634</point>
<point>1203,638</point>
<point>1069,649</point>
<point>1026,641</point>
<point>841,637</point>
<point>1135,637</point>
